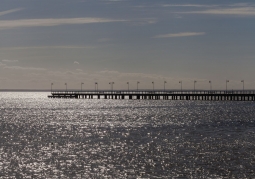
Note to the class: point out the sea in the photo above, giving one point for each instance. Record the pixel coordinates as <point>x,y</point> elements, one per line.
<point>105,138</point>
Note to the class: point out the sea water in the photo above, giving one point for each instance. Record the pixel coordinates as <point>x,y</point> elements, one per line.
<point>104,138</point>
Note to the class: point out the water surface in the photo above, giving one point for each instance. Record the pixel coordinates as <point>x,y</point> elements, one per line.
<point>65,138</point>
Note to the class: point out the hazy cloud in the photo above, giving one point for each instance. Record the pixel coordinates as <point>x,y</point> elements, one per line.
<point>182,34</point>
<point>242,4</point>
<point>241,11</point>
<point>24,68</point>
<point>144,21</point>
<point>188,5</point>
<point>75,62</point>
<point>2,64</point>
<point>10,11</point>
<point>46,47</point>
<point>9,61</point>
<point>8,24</point>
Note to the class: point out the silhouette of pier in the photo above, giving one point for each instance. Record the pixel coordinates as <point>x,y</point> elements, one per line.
<point>211,95</point>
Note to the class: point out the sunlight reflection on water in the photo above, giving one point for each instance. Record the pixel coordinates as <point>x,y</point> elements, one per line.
<point>47,138</point>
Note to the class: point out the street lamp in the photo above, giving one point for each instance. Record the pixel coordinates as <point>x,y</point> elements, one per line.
<point>81,86</point>
<point>243,85</point>
<point>111,85</point>
<point>181,85</point>
<point>210,85</point>
<point>227,84</point>
<point>195,85</point>
<point>153,85</point>
<point>66,86</point>
<point>128,85</point>
<point>96,86</point>
<point>137,85</point>
<point>164,85</point>
<point>51,87</point>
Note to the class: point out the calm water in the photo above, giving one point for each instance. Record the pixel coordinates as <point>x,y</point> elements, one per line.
<point>76,138</point>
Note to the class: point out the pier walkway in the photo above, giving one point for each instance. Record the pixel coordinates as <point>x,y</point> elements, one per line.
<point>209,95</point>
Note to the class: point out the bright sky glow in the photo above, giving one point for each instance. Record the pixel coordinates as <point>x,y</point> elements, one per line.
<point>120,41</point>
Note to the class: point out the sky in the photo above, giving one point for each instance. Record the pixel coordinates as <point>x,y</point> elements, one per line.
<point>120,41</point>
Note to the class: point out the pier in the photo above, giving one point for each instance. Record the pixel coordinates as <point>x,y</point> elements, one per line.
<point>215,95</point>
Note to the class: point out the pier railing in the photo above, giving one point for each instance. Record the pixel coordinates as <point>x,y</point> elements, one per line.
<point>233,95</point>
<point>155,92</point>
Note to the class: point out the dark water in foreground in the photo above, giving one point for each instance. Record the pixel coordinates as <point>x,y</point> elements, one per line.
<point>65,138</point>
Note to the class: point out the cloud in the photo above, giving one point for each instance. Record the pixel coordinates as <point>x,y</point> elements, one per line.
<point>24,68</point>
<point>75,62</point>
<point>2,64</point>
<point>8,24</point>
<point>241,11</point>
<point>187,5</point>
<point>46,47</point>
<point>9,61</point>
<point>182,34</point>
<point>241,4</point>
<point>10,11</point>
<point>144,21</point>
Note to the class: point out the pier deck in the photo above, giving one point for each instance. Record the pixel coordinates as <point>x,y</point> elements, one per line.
<point>215,95</point>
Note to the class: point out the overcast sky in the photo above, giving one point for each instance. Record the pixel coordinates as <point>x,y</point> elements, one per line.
<point>120,41</point>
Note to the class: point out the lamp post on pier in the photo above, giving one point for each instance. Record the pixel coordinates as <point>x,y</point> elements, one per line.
<point>137,85</point>
<point>195,85</point>
<point>111,84</point>
<point>227,85</point>
<point>164,85</point>
<point>243,85</point>
<point>66,86</point>
<point>181,85</point>
<point>153,85</point>
<point>51,87</point>
<point>210,85</point>
<point>128,85</point>
<point>81,86</point>
<point>96,86</point>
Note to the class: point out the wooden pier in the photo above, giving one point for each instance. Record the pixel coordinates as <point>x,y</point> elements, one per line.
<point>215,95</point>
